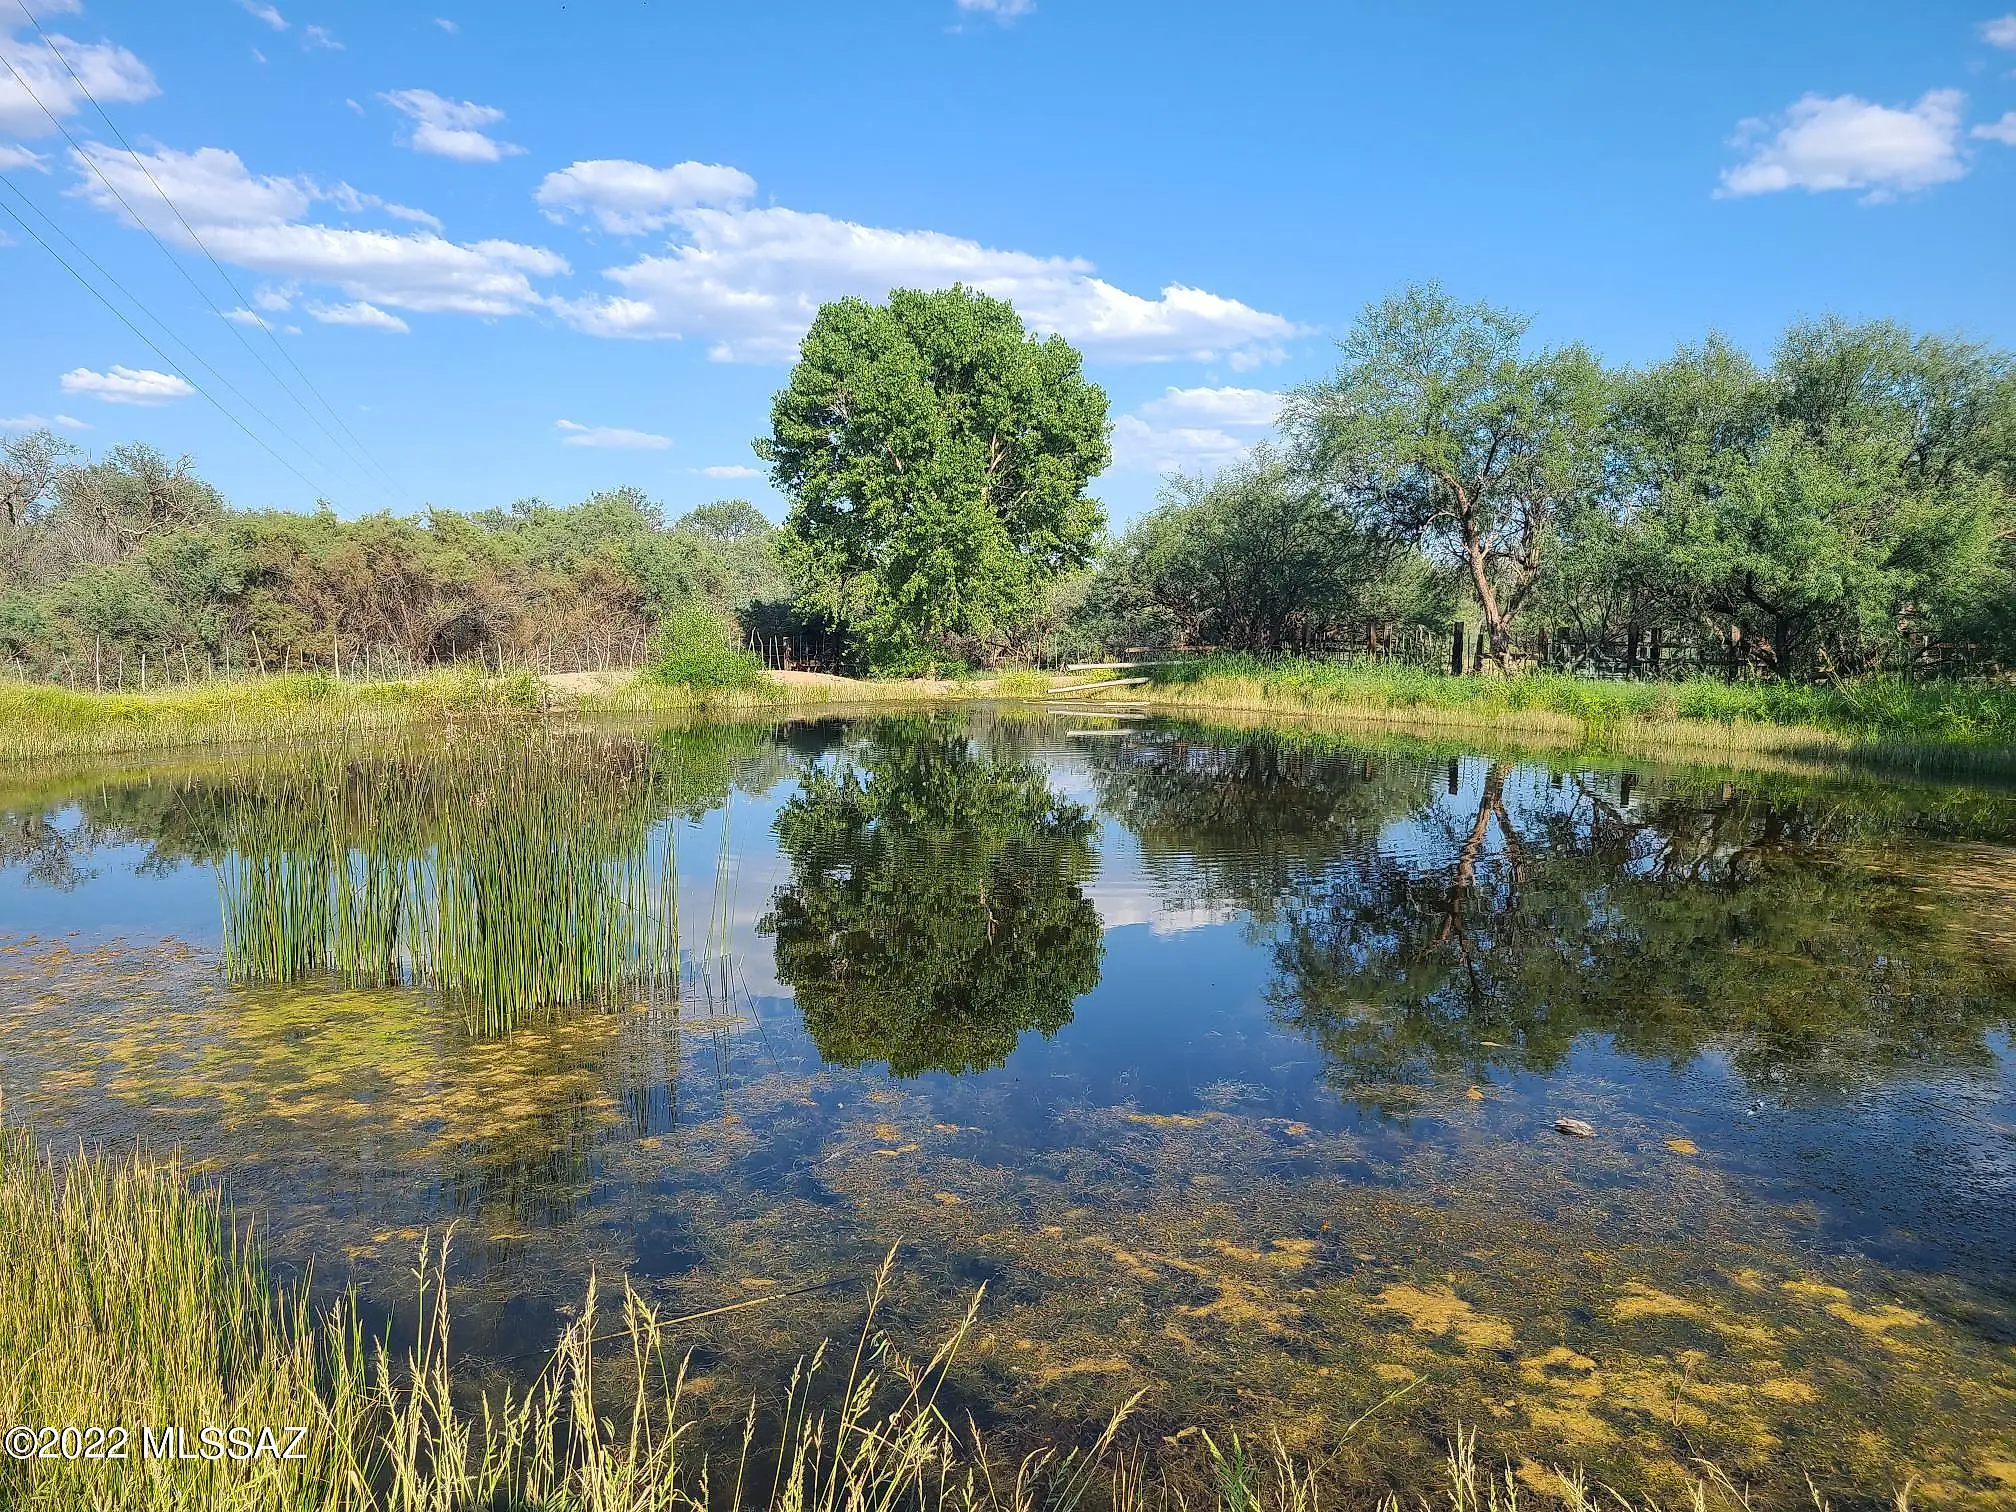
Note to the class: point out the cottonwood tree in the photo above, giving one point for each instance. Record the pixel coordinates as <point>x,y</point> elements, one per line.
<point>936,457</point>
<point>1440,430</point>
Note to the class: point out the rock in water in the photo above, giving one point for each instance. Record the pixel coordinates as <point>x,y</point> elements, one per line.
<point>1576,1127</point>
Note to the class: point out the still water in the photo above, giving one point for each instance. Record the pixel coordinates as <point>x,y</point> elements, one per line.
<point>1228,1061</point>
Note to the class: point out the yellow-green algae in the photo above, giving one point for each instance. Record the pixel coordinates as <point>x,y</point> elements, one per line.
<point>1245,1269</point>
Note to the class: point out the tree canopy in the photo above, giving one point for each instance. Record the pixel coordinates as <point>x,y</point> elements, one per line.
<point>936,457</point>
<point>1439,429</point>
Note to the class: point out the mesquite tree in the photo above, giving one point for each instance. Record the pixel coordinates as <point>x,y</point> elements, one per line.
<point>1439,430</point>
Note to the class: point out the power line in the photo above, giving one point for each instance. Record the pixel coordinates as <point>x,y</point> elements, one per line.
<point>180,372</point>
<point>166,330</point>
<point>140,163</point>
<point>124,204</point>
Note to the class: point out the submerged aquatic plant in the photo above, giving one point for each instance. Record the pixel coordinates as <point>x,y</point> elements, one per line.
<point>129,1298</point>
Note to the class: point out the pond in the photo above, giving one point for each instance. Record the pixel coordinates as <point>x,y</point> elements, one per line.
<point>1228,1061</point>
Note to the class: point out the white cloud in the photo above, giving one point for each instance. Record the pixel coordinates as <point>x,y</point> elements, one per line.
<point>265,13</point>
<point>1850,143</point>
<point>1239,407</point>
<point>111,74</point>
<point>450,128</point>
<point>1003,11</point>
<point>628,198</point>
<point>1193,429</point>
<point>361,313</point>
<point>732,470</point>
<point>12,157</point>
<point>2003,131</point>
<point>318,36</point>
<point>609,436</point>
<point>749,281</point>
<point>2001,32</point>
<point>446,25</point>
<point>356,202</point>
<point>124,385</point>
<point>43,422</point>
<point>258,223</point>
<point>245,317</point>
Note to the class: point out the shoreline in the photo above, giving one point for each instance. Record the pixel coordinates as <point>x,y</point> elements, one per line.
<point>43,723</point>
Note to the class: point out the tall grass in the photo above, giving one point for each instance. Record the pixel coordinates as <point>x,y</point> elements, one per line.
<point>513,876</point>
<point>1699,711</point>
<point>38,720</point>
<point>128,1299</point>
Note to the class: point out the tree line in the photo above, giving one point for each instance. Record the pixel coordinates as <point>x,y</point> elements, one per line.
<point>1821,514</point>
<point>1831,511</point>
<point>132,562</point>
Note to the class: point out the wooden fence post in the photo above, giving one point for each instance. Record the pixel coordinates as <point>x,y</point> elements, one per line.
<point>1457,638</point>
<point>1658,646</point>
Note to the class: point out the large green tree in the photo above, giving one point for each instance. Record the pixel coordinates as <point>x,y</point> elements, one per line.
<point>936,456</point>
<point>1441,430</point>
<point>1850,496</point>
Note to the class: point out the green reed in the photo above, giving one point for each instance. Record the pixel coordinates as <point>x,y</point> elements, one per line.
<point>512,876</point>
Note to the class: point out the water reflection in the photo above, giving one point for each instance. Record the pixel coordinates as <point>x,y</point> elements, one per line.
<point>936,909</point>
<point>1230,1060</point>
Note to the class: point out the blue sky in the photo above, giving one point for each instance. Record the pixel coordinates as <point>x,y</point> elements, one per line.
<point>542,248</point>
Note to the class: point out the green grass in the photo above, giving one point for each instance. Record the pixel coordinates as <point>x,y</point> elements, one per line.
<point>129,1298</point>
<point>1978,716</point>
<point>39,721</point>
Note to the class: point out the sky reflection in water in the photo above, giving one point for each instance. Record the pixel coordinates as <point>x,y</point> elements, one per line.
<point>1229,1062</point>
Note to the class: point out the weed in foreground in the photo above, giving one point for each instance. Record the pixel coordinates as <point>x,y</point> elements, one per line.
<point>131,1298</point>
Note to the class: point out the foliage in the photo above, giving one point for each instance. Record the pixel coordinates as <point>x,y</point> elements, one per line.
<point>1254,558</point>
<point>1441,431</point>
<point>935,909</point>
<point>693,649</point>
<point>1852,496</point>
<point>105,563</point>
<point>936,457</point>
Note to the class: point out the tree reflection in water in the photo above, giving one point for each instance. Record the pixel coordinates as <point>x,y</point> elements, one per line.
<point>935,909</point>
<point>1422,931</point>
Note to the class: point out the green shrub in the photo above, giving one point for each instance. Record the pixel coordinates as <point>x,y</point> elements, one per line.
<point>1021,682</point>
<point>693,649</point>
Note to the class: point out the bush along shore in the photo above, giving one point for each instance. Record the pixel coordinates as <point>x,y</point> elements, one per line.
<point>130,1299</point>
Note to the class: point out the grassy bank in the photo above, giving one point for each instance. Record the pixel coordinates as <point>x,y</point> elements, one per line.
<point>38,720</point>
<point>128,1299</point>
<point>1705,716</point>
